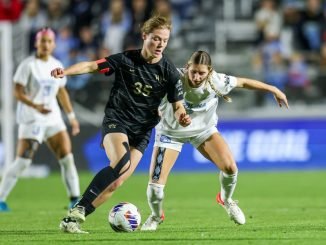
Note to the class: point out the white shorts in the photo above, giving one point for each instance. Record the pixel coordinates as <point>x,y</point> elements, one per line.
<point>40,132</point>
<point>173,143</point>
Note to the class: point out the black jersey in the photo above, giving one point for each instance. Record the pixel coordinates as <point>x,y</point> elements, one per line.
<point>139,87</point>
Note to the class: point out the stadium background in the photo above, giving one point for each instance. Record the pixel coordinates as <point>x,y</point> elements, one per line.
<point>284,45</point>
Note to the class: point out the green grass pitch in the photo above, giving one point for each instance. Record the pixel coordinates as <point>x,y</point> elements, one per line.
<point>280,207</point>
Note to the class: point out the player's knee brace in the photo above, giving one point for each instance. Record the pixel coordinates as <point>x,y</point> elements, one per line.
<point>155,192</point>
<point>123,161</point>
<point>31,149</point>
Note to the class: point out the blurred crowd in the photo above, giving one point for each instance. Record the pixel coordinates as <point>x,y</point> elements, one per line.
<point>290,44</point>
<point>292,47</point>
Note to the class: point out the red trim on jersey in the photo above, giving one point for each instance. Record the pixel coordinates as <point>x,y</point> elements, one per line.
<point>104,70</point>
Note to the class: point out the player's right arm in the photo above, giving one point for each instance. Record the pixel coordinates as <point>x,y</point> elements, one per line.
<point>76,69</point>
<point>20,95</point>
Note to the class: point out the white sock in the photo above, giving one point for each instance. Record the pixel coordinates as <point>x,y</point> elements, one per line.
<point>69,175</point>
<point>11,175</point>
<point>155,195</point>
<point>228,183</point>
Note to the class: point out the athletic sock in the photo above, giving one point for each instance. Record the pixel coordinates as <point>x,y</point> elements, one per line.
<point>69,175</point>
<point>155,195</point>
<point>11,175</point>
<point>228,184</point>
<point>99,183</point>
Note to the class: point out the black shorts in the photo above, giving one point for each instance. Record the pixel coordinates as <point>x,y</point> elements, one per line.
<point>139,139</point>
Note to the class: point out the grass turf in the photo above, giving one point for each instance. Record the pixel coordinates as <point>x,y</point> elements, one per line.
<point>281,208</point>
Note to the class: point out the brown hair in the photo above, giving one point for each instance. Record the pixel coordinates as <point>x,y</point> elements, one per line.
<point>156,22</point>
<point>203,58</point>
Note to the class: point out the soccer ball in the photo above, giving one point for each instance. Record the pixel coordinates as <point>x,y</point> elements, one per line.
<point>124,217</point>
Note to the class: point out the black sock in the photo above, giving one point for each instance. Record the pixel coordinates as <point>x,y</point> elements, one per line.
<point>99,183</point>
<point>74,199</point>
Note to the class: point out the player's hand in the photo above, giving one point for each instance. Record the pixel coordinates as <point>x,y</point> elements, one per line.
<point>280,98</point>
<point>184,120</point>
<point>41,108</point>
<point>75,128</point>
<point>58,73</point>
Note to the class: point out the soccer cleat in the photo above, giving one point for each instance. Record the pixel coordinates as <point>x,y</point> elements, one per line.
<point>77,213</point>
<point>232,209</point>
<point>71,225</point>
<point>4,207</point>
<point>152,223</point>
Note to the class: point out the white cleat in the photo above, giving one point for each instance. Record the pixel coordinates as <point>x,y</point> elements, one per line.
<point>232,209</point>
<point>71,225</point>
<point>77,213</point>
<point>152,223</point>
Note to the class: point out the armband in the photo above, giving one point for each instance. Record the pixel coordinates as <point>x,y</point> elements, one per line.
<point>102,65</point>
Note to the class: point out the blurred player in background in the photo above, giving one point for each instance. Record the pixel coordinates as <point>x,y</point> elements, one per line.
<point>142,78</point>
<point>202,87</point>
<point>39,118</point>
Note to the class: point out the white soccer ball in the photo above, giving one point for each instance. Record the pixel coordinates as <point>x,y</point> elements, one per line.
<point>124,217</point>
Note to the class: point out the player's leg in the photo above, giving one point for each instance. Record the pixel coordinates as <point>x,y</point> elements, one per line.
<point>60,144</point>
<point>164,156</point>
<point>104,182</point>
<point>111,177</point>
<point>125,172</point>
<point>124,148</point>
<point>217,150</point>
<point>25,152</point>
<point>29,138</point>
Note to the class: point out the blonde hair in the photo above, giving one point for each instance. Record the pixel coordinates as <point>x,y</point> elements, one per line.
<point>203,58</point>
<point>156,22</point>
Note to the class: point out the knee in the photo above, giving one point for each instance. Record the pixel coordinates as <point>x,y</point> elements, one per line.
<point>116,184</point>
<point>229,166</point>
<point>62,152</point>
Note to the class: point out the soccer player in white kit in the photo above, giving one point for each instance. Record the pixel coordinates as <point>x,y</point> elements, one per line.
<point>39,118</point>
<point>202,88</point>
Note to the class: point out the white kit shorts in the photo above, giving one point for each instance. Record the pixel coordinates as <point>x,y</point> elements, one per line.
<point>173,143</point>
<point>40,132</point>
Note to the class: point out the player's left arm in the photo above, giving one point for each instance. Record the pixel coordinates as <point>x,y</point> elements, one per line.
<point>247,83</point>
<point>180,114</point>
<point>64,100</point>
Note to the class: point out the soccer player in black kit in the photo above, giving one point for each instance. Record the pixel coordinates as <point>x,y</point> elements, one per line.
<point>142,78</point>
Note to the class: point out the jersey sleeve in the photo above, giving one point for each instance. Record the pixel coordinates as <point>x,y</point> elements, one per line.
<point>22,73</point>
<point>175,88</point>
<point>109,64</point>
<point>224,83</point>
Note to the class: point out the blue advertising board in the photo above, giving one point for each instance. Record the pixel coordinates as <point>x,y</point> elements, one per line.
<point>257,144</point>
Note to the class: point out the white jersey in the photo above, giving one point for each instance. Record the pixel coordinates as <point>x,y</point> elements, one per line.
<point>200,103</point>
<point>35,75</point>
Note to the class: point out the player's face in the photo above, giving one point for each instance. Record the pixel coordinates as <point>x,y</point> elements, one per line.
<point>155,42</point>
<point>45,45</point>
<point>197,74</point>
